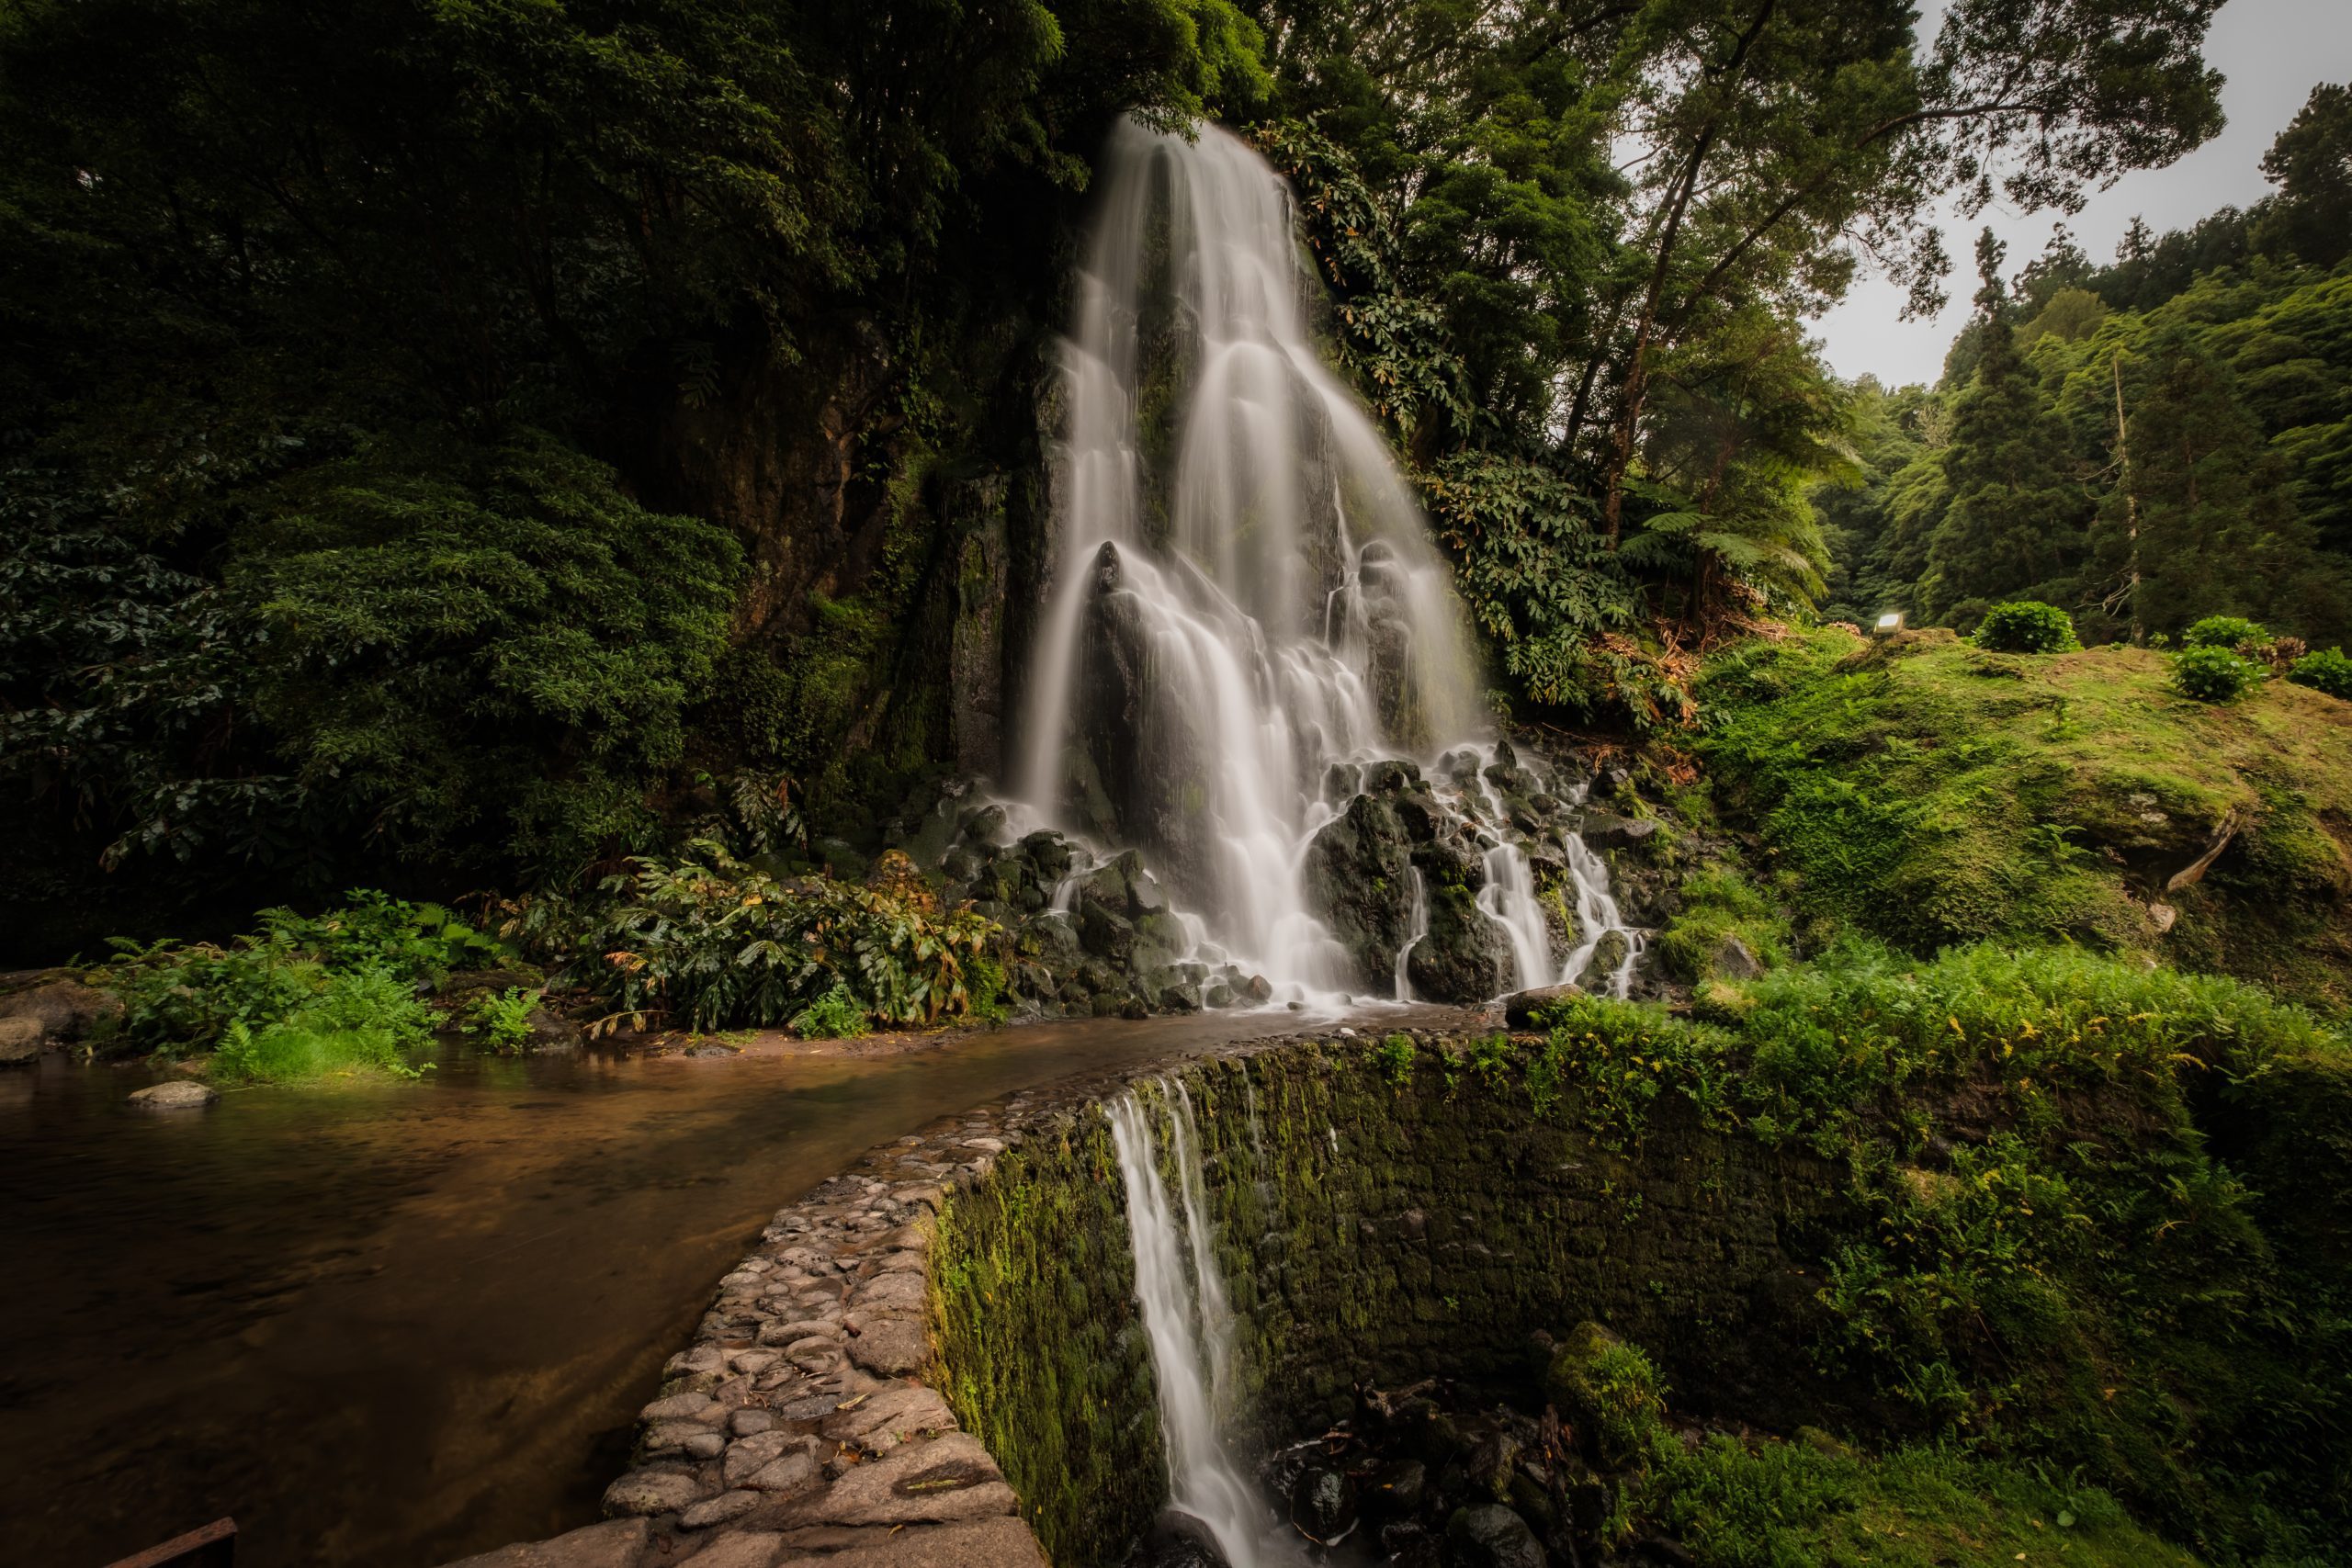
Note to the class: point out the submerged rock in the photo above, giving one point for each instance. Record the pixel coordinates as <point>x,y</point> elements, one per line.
<point>181,1095</point>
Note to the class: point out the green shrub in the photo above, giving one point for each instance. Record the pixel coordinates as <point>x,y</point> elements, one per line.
<point>2225,631</point>
<point>836,1015</point>
<point>2026,626</point>
<point>503,1021</point>
<point>1393,1057</point>
<point>360,1021</point>
<point>2212,674</point>
<point>2325,669</point>
<point>179,998</point>
<point>373,930</point>
<point>706,942</point>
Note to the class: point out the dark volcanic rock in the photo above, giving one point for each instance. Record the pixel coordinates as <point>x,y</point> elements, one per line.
<point>1491,1536</point>
<point>1465,957</point>
<point>1359,877</point>
<point>1323,1504</point>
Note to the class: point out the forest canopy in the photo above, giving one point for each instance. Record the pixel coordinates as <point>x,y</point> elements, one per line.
<point>365,367</point>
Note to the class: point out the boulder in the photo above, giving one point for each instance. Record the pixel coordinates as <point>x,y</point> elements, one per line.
<point>1491,1536</point>
<point>1732,961</point>
<point>651,1492</point>
<point>65,1009</point>
<point>180,1095</point>
<point>1396,1488</point>
<point>21,1040</point>
<point>1323,1504</point>
<point>1522,1009</point>
<point>1463,957</point>
<point>1178,1539</point>
<point>1606,830</point>
<point>1358,874</point>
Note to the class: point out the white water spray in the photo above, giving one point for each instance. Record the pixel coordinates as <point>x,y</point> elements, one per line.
<point>1245,591</point>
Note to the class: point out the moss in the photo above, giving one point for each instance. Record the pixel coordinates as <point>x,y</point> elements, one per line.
<point>1915,798</point>
<point>1720,906</point>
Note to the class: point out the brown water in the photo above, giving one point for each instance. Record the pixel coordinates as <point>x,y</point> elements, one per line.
<point>385,1325</point>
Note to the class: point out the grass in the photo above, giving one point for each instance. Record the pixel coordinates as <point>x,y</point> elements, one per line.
<point>1775,1505</point>
<point>2053,1257</point>
<point>1930,793</point>
<point>359,1022</point>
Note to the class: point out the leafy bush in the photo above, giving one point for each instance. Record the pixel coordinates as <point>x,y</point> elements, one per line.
<point>2325,669</point>
<point>2026,626</point>
<point>707,942</point>
<point>373,930</point>
<point>2212,674</point>
<point>503,1019</point>
<point>836,1015</point>
<point>359,1021</point>
<point>2225,631</point>
<point>299,990</point>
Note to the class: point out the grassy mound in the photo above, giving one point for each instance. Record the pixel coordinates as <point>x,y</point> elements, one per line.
<point>2091,1250</point>
<point>1930,793</point>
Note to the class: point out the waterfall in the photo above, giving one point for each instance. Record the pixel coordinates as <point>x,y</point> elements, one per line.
<point>1417,926</point>
<point>1245,593</point>
<point>1189,1322</point>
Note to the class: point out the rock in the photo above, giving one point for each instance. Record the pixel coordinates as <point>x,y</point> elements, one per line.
<point>976,1543</point>
<point>1733,961</point>
<point>650,1491</point>
<point>885,1420</point>
<point>750,1423</point>
<point>1358,875</point>
<point>180,1095</point>
<point>946,1478</point>
<point>1179,1540</point>
<point>718,1510</point>
<point>20,1040</point>
<point>1607,957</point>
<point>677,1407</point>
<point>1323,1504</point>
<point>551,1031</point>
<point>1611,784</point>
<point>1463,957</point>
<point>613,1544</point>
<point>64,1010</point>
<point>748,1456</point>
<point>1491,1536</point>
<point>1521,1009</point>
<point>739,1549</point>
<point>1602,831</point>
<point>787,1474</point>
<point>1396,1488</point>
<point>892,1348</point>
<point>1256,989</point>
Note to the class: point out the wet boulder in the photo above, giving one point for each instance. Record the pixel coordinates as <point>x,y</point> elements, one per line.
<point>1179,1540</point>
<point>1463,957</point>
<point>1491,1536</point>
<point>1358,873</point>
<point>1526,1009</point>
<point>1323,1504</point>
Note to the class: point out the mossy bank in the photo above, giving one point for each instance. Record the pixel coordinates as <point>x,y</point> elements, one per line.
<point>1993,1223</point>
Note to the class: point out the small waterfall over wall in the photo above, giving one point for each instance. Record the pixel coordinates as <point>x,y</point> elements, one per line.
<point>1187,1317</point>
<point>1247,607</point>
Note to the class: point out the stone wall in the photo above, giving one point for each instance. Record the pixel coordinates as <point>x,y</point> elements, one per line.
<point>1379,1219</point>
<point>940,1351</point>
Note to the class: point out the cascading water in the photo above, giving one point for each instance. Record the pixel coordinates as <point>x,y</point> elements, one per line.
<point>1187,1318</point>
<point>1246,594</point>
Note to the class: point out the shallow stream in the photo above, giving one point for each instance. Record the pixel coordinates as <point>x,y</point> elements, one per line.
<point>385,1325</point>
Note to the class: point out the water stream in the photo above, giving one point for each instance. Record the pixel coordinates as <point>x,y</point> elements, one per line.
<point>1189,1320</point>
<point>1244,591</point>
<point>387,1324</point>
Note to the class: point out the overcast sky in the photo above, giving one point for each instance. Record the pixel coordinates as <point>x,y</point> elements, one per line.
<point>2272,52</point>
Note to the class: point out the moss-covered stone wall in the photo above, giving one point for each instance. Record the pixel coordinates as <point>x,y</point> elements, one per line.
<point>1382,1211</point>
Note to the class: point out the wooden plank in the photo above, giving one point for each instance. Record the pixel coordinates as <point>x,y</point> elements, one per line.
<point>214,1546</point>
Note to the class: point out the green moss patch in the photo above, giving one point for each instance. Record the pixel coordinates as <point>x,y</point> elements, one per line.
<point>1930,793</point>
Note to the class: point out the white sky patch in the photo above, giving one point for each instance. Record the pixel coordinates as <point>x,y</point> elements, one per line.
<point>2272,52</point>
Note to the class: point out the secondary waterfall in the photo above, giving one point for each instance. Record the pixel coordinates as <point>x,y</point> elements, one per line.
<point>1245,591</point>
<point>1187,1318</point>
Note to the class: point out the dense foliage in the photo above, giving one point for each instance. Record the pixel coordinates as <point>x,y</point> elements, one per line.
<point>707,942</point>
<point>2095,1292</point>
<point>2145,443</point>
<point>304,997</point>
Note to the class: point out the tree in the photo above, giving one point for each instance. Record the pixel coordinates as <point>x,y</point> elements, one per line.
<point>2015,524</point>
<point>2311,162</point>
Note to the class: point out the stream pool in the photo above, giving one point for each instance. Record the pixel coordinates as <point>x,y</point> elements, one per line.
<point>385,1325</point>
